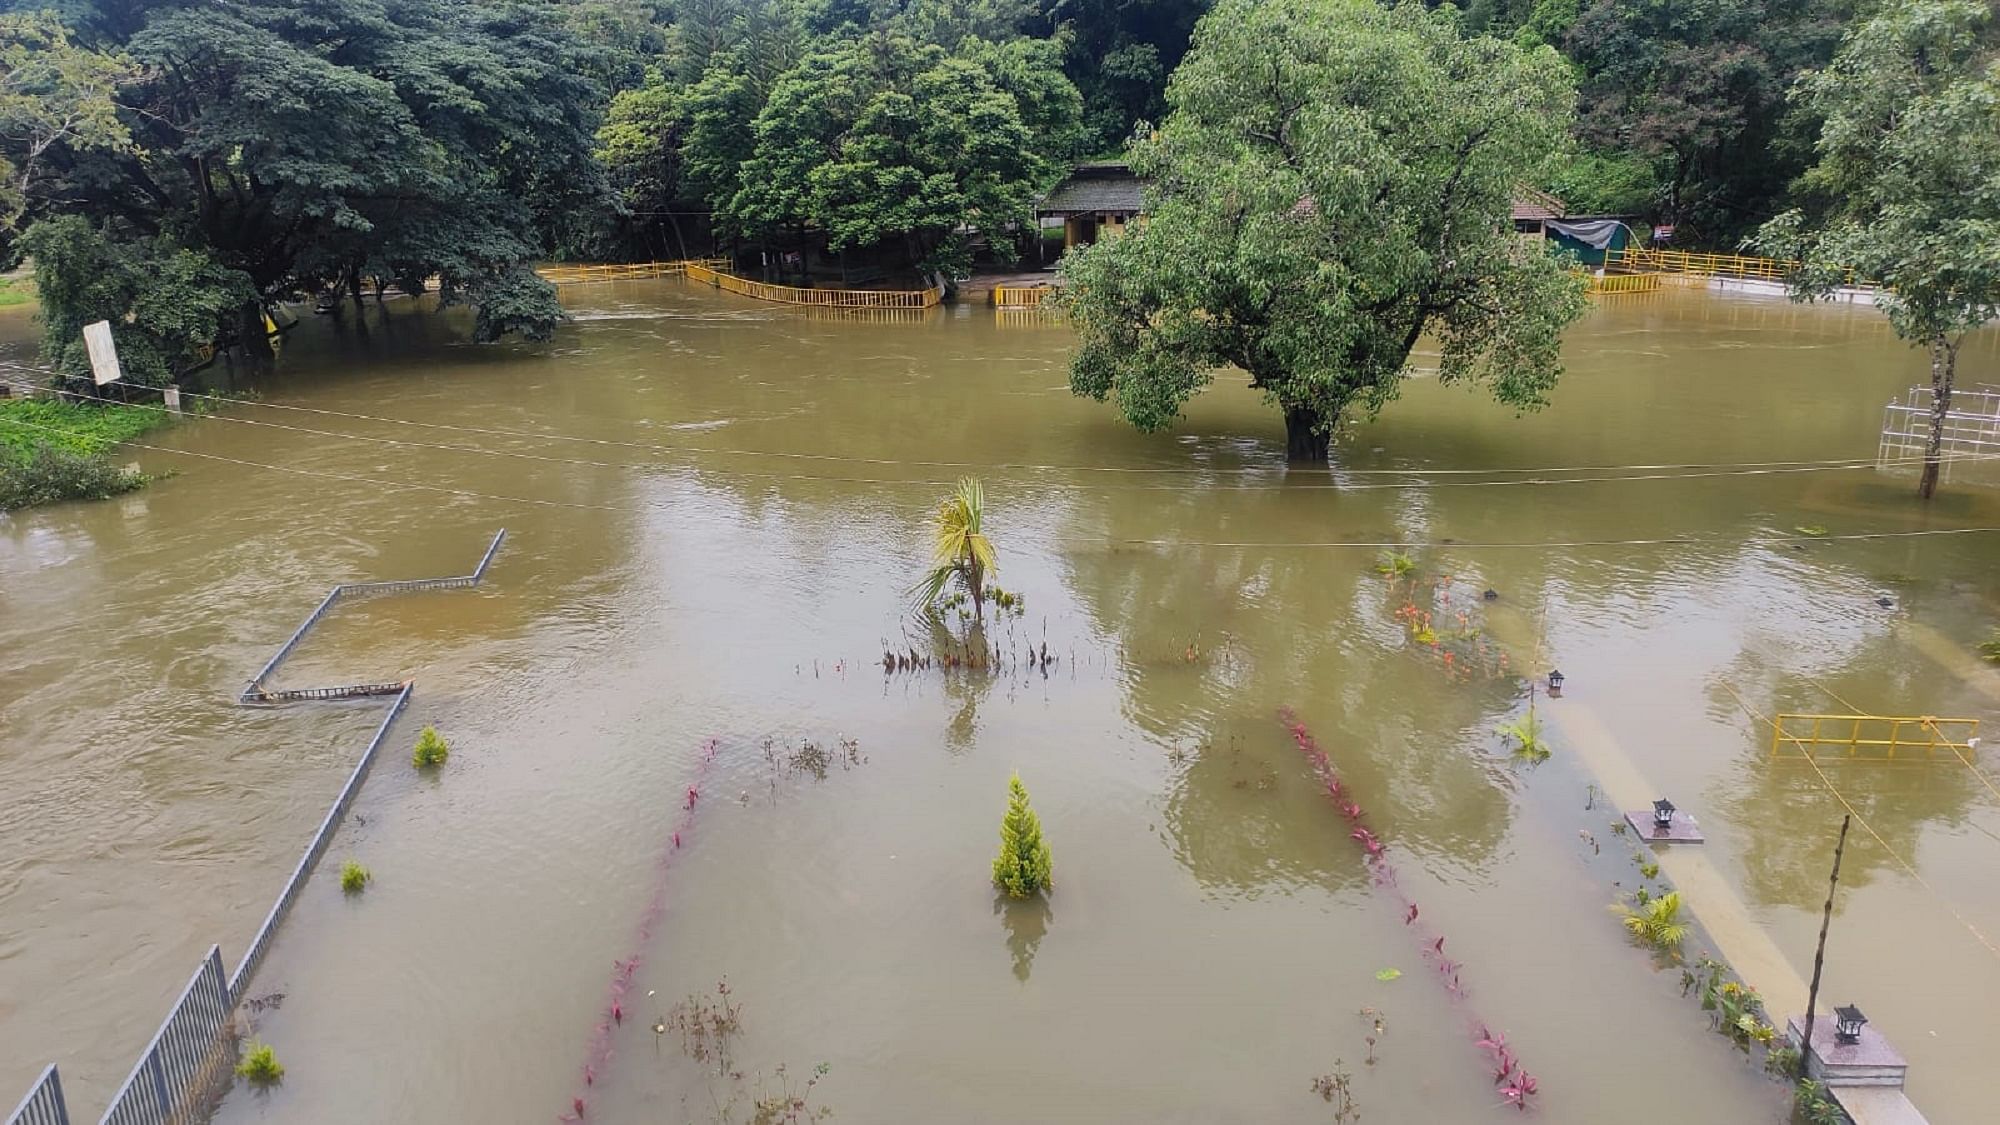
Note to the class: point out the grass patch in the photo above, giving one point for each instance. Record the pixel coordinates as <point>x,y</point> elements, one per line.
<point>57,450</point>
<point>73,427</point>
<point>16,291</point>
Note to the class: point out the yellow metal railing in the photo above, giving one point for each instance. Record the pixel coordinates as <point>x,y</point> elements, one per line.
<point>1874,737</point>
<point>1712,265</point>
<point>820,298</point>
<point>1624,283</point>
<point>576,273</point>
<point>1021,296</point>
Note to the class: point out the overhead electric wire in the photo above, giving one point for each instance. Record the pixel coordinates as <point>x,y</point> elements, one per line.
<point>1747,469</point>
<point>1676,469</point>
<point>1384,544</point>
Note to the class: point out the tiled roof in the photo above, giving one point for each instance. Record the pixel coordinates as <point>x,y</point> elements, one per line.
<point>1535,206</point>
<point>1094,187</point>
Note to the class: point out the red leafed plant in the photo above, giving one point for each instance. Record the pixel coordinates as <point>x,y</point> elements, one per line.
<point>1516,1085</point>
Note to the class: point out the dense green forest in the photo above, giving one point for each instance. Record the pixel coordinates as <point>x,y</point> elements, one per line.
<point>178,167</point>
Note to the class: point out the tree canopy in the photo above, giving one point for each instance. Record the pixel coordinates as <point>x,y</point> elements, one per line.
<point>304,143</point>
<point>1907,182</point>
<point>1332,180</point>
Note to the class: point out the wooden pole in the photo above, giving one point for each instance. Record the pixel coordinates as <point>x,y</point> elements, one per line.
<point>1819,953</point>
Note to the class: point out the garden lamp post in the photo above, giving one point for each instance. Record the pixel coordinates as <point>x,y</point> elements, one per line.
<point>1847,1021</point>
<point>1663,815</point>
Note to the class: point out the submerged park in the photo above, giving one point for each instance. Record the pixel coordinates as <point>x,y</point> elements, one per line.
<point>1285,626</point>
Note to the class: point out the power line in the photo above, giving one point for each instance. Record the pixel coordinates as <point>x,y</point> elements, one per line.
<point>1372,545</point>
<point>1689,468</point>
<point>1749,469</point>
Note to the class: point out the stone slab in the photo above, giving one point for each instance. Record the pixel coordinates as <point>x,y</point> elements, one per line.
<point>1682,830</point>
<point>1877,1105</point>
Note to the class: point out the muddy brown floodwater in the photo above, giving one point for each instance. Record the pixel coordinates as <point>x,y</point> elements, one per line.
<point>712,530</point>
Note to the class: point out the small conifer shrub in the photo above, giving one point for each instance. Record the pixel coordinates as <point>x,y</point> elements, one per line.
<point>260,1065</point>
<point>431,749</point>
<point>354,877</point>
<point>1022,867</point>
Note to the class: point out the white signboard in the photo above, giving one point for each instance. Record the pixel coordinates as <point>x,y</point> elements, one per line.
<point>103,353</point>
<point>172,395</point>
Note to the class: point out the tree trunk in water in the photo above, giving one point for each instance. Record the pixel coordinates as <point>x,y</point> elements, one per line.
<point>1944,361</point>
<point>251,338</point>
<point>1306,436</point>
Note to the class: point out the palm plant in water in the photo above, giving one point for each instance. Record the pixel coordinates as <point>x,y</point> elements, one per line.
<point>962,553</point>
<point>1657,922</point>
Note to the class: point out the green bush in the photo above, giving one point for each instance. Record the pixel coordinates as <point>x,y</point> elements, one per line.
<point>78,427</point>
<point>260,1065</point>
<point>431,749</point>
<point>48,475</point>
<point>1023,865</point>
<point>354,877</point>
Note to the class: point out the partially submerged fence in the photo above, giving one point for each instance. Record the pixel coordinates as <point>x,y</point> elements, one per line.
<point>255,692</point>
<point>1870,737</point>
<point>822,298</point>
<point>1624,283</point>
<point>188,1064</point>
<point>44,1104</point>
<point>1022,296</point>
<point>577,273</point>
<point>1971,431</point>
<point>1747,267</point>
<point>183,1068</point>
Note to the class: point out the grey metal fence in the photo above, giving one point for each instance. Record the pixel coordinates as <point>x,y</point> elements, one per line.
<point>254,691</point>
<point>44,1104</point>
<point>254,955</point>
<point>186,1061</point>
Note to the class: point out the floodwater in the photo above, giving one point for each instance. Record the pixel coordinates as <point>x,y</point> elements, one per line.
<point>711,535</point>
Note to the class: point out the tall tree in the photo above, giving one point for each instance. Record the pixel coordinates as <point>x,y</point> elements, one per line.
<point>1333,180</point>
<point>304,143</point>
<point>54,94</point>
<point>1908,179</point>
<point>1698,90</point>
<point>1119,53</point>
<point>886,139</point>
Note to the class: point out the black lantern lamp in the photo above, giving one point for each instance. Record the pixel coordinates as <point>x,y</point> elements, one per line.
<point>1555,681</point>
<point>1847,1021</point>
<point>1663,814</point>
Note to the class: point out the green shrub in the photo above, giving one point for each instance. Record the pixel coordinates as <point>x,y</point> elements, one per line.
<point>260,1065</point>
<point>1657,922</point>
<point>48,475</point>
<point>1023,865</point>
<point>354,877</point>
<point>431,749</point>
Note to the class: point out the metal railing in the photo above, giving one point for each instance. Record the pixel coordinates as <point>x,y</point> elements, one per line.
<point>1022,297</point>
<point>822,298</point>
<point>255,692</point>
<point>44,1104</point>
<point>1867,736</point>
<point>259,945</point>
<point>1714,265</point>
<point>1624,283</point>
<point>577,273</point>
<point>184,1064</point>
<point>187,1066</point>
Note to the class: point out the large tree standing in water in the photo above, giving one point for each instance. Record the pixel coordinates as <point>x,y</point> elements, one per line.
<point>1909,172</point>
<point>1332,180</point>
